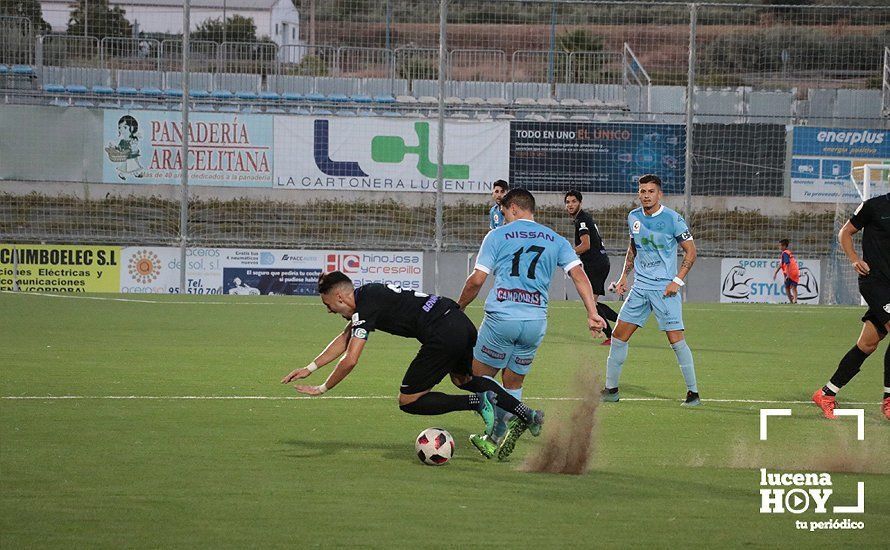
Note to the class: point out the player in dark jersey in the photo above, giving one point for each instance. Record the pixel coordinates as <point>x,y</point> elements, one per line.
<point>590,249</point>
<point>873,219</point>
<point>446,334</point>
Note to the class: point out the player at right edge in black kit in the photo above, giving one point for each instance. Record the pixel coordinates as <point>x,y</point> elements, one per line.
<point>873,219</point>
<point>592,253</point>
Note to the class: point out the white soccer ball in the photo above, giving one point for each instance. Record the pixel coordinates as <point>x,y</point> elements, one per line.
<point>434,446</point>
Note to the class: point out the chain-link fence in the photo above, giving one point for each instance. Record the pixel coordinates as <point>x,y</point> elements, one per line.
<point>317,124</point>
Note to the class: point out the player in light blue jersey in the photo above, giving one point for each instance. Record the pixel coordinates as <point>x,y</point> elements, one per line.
<point>522,256</point>
<point>495,216</point>
<point>655,233</point>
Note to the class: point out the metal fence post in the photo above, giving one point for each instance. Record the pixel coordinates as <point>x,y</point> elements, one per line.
<point>690,111</point>
<point>184,200</point>
<point>440,146</point>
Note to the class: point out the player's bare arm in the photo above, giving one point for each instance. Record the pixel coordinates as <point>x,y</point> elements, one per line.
<point>845,238</point>
<point>582,284</point>
<point>584,246</point>
<point>342,370</point>
<point>471,288</point>
<point>333,350</point>
<point>689,255</point>
<point>621,285</point>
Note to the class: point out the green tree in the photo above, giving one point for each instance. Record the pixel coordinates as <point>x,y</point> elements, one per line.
<point>234,29</point>
<point>586,63</point>
<point>29,9</point>
<point>97,18</point>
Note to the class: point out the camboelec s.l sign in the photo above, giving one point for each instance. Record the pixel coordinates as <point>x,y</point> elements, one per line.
<point>751,280</point>
<point>388,155</point>
<point>823,160</point>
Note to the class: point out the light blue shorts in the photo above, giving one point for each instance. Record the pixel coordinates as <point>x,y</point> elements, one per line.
<point>640,303</point>
<point>509,343</point>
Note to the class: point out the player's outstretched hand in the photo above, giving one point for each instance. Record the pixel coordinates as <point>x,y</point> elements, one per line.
<point>619,287</point>
<point>596,324</point>
<point>296,374</point>
<point>861,267</point>
<point>309,390</point>
<point>672,289</point>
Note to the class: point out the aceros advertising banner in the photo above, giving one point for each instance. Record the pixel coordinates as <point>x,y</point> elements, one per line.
<point>238,271</point>
<point>751,280</point>
<point>596,157</point>
<point>225,149</point>
<point>823,160</point>
<point>388,155</point>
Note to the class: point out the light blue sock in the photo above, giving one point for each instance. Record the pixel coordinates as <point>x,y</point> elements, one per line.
<point>687,366</point>
<point>502,416</point>
<point>617,356</point>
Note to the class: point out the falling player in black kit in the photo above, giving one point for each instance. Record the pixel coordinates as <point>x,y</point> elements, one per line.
<point>873,219</point>
<point>447,337</point>
<point>590,249</point>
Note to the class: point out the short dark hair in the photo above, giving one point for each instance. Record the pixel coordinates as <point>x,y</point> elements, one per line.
<point>521,198</point>
<point>328,281</point>
<point>650,178</point>
<point>502,184</point>
<point>784,242</point>
<point>572,193</point>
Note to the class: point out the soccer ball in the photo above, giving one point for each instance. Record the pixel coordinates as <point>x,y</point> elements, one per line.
<point>434,446</point>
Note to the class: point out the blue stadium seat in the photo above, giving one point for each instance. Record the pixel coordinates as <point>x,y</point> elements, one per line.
<point>127,90</point>
<point>316,97</point>
<point>103,90</point>
<point>4,69</point>
<point>76,89</point>
<point>269,96</point>
<point>384,99</point>
<point>54,88</point>
<point>22,70</point>
<point>323,112</point>
<point>199,93</point>
<point>338,98</point>
<point>222,95</point>
<point>173,92</point>
<point>246,95</point>
<point>151,91</point>
<point>346,112</point>
<point>291,96</point>
<point>361,99</point>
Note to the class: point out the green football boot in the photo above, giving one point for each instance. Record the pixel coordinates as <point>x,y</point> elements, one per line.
<point>515,429</point>
<point>609,396</point>
<point>486,411</point>
<point>484,444</point>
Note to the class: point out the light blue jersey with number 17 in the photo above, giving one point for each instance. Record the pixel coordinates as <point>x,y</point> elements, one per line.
<point>522,255</point>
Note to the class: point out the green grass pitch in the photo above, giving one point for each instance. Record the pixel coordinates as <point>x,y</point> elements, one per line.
<point>334,472</point>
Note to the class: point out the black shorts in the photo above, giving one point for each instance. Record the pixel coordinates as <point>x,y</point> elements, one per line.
<point>598,272</point>
<point>448,350</point>
<point>877,295</point>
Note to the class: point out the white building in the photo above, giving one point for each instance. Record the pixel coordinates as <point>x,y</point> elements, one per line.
<point>277,19</point>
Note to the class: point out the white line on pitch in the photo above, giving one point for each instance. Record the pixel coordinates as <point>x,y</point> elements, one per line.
<point>361,397</point>
<point>235,300</point>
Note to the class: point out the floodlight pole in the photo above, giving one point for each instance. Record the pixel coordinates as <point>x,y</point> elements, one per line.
<point>440,149</point>
<point>184,171</point>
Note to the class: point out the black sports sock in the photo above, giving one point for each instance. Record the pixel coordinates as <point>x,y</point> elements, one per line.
<point>607,330</point>
<point>440,403</point>
<point>606,312</point>
<point>480,384</point>
<point>848,367</point>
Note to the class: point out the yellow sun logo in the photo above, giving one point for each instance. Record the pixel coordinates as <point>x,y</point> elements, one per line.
<point>144,267</point>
